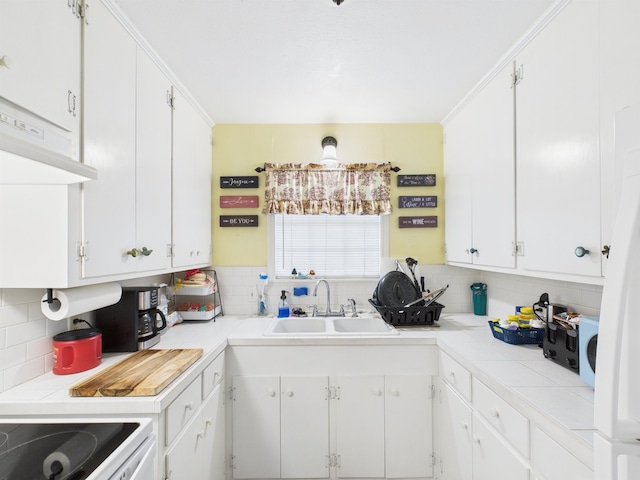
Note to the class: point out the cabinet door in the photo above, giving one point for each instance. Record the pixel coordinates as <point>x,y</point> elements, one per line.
<point>304,427</point>
<point>256,427</point>
<point>213,446</point>
<point>493,173</point>
<point>552,462</point>
<point>619,88</point>
<point>40,39</point>
<point>153,164</point>
<point>408,426</point>
<point>183,459</point>
<point>191,196</point>
<point>109,144</point>
<point>480,177</point>
<point>360,426</point>
<point>454,422</point>
<point>457,191</point>
<point>557,145</point>
<point>493,459</point>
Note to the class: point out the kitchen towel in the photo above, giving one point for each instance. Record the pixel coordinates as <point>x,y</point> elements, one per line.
<point>78,300</point>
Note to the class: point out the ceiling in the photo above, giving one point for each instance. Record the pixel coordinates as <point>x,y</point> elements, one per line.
<point>312,61</point>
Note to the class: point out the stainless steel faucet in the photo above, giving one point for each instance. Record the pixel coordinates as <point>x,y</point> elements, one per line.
<point>352,302</point>
<point>327,312</point>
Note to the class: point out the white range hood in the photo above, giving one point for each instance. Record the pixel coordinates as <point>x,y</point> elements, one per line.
<point>34,151</point>
<point>44,170</point>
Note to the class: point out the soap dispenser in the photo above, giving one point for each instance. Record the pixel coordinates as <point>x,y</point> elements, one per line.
<point>283,306</point>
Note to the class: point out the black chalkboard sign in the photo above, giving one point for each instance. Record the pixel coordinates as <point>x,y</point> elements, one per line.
<point>418,222</point>
<point>422,180</point>
<point>239,182</point>
<point>418,201</point>
<point>238,220</point>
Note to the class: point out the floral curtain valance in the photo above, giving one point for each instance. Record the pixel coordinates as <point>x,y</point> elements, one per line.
<point>311,189</point>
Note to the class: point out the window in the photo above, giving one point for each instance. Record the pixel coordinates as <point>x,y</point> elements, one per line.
<point>330,245</point>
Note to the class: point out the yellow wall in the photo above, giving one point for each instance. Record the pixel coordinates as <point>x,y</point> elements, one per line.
<point>239,149</point>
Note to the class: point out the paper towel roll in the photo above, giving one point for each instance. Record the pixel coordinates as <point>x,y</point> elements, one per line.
<point>78,300</point>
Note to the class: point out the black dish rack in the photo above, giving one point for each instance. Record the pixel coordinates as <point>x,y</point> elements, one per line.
<point>409,316</point>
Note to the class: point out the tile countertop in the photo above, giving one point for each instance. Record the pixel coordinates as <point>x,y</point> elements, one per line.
<point>549,395</point>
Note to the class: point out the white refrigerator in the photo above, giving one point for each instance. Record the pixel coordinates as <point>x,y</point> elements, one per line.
<point>617,379</point>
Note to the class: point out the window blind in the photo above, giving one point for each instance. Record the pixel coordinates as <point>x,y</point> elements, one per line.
<point>330,245</point>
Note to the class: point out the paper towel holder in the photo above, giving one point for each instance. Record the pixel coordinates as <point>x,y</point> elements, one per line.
<point>53,302</point>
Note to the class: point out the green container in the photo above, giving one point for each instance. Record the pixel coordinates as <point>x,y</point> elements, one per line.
<point>479,291</point>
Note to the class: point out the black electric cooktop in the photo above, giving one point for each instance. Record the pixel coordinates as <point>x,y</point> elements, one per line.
<point>57,451</point>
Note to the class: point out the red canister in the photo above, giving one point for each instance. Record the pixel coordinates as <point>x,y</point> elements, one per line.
<point>77,350</point>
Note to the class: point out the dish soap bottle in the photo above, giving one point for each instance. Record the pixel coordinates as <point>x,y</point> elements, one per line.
<point>283,306</point>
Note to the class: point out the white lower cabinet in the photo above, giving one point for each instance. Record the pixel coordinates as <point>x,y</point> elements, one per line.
<point>256,427</point>
<point>481,436</point>
<point>360,426</point>
<point>551,461</point>
<point>493,458</point>
<point>453,431</point>
<point>194,431</point>
<point>408,427</point>
<point>304,423</point>
<point>282,426</point>
<point>328,425</point>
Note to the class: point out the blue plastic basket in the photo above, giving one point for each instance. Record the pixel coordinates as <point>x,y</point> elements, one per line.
<point>517,337</point>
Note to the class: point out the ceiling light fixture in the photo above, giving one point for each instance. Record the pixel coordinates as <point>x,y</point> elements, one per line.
<point>338,2</point>
<point>329,152</point>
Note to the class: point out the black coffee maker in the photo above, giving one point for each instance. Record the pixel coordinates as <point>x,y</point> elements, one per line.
<point>132,324</point>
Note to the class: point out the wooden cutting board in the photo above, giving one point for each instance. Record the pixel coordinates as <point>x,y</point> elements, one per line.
<point>145,373</point>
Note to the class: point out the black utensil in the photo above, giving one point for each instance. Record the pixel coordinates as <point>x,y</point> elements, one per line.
<point>411,263</point>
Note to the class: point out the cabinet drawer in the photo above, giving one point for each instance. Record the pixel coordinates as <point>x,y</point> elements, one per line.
<point>182,409</point>
<point>455,375</point>
<point>493,458</point>
<point>552,462</point>
<point>212,375</point>
<point>513,426</point>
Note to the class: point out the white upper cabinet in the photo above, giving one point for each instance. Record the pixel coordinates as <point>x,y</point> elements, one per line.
<point>153,165</point>
<point>127,137</point>
<point>191,193</point>
<point>109,144</point>
<point>120,225</point>
<point>558,180</point>
<point>480,177</point>
<point>619,88</point>
<point>40,59</point>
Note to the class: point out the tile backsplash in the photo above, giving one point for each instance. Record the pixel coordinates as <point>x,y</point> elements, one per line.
<point>239,289</point>
<point>26,347</point>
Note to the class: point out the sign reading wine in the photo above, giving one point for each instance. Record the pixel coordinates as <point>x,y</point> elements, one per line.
<point>418,222</point>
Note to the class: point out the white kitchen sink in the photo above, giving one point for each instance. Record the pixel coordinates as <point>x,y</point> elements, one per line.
<point>329,327</point>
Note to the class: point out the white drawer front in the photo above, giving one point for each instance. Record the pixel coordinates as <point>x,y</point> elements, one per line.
<point>182,409</point>
<point>513,426</point>
<point>551,461</point>
<point>212,375</point>
<point>455,375</point>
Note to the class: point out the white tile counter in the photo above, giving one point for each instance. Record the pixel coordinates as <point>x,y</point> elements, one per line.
<point>550,396</point>
<point>48,395</point>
